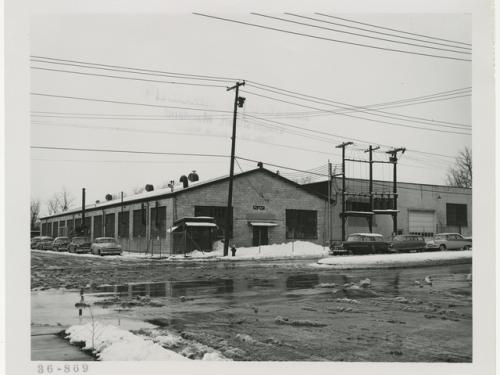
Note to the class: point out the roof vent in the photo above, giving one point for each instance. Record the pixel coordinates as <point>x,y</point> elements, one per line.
<point>109,197</point>
<point>97,201</point>
<point>149,187</point>
<point>193,176</point>
<point>184,181</point>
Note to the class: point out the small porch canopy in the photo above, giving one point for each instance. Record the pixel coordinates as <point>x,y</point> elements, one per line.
<point>262,224</point>
<point>193,233</point>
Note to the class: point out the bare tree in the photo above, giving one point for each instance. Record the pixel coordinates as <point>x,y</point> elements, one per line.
<point>35,211</point>
<point>60,202</point>
<point>460,175</point>
<point>66,200</point>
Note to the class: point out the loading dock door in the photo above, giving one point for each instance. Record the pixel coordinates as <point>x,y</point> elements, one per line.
<point>421,222</point>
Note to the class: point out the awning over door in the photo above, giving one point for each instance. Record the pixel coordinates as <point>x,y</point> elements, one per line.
<point>262,224</point>
<point>196,224</point>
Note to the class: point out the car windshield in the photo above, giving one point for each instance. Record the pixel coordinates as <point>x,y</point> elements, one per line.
<point>400,238</point>
<point>80,239</point>
<point>105,240</point>
<point>354,238</point>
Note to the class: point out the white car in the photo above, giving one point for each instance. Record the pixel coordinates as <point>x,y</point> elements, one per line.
<point>449,241</point>
<point>106,246</point>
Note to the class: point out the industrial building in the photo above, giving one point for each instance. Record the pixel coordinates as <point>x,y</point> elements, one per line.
<point>267,208</point>
<point>421,209</point>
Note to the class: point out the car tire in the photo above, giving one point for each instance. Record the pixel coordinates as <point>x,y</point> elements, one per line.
<point>99,253</point>
<point>442,247</point>
<point>467,247</point>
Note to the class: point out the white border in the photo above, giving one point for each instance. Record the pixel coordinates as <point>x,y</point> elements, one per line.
<point>17,179</point>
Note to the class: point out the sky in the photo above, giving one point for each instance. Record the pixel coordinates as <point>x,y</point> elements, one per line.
<point>192,44</point>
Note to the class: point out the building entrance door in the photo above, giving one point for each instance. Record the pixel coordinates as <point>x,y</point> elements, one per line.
<point>260,236</point>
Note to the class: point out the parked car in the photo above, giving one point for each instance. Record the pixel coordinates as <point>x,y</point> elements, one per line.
<point>106,246</point>
<point>61,244</point>
<point>45,243</point>
<point>365,243</point>
<point>79,245</point>
<point>35,241</point>
<point>407,243</point>
<point>449,241</point>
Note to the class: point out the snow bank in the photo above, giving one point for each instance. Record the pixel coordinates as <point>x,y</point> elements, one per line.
<point>398,260</point>
<point>114,344</point>
<point>283,250</point>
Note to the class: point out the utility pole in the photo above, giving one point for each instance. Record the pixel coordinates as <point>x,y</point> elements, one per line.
<point>238,102</point>
<point>394,160</point>
<point>343,146</point>
<point>84,229</point>
<point>329,211</point>
<point>370,218</point>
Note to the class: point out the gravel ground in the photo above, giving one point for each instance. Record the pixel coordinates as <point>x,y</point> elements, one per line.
<point>275,310</point>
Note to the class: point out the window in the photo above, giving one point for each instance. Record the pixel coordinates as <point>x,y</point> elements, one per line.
<point>70,226</point>
<point>158,222</point>
<point>44,229</point>
<point>219,215</point>
<point>109,229</point>
<point>123,224</point>
<point>301,224</point>
<point>139,223</point>
<point>55,229</point>
<point>456,214</point>
<point>97,226</point>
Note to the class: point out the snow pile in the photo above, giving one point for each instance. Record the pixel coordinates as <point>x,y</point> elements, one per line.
<point>283,250</point>
<point>110,343</point>
<point>398,260</point>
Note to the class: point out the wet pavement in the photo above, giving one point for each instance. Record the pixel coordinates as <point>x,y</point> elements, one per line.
<point>272,311</point>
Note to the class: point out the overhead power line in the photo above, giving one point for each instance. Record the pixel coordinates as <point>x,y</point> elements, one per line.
<point>357,109</point>
<point>376,32</point>
<point>126,151</point>
<point>197,134</point>
<point>330,39</point>
<point>133,70</point>
<point>127,78</point>
<point>127,103</point>
<point>353,108</point>
<point>370,112</point>
<point>396,30</point>
<point>357,117</point>
<point>360,35</point>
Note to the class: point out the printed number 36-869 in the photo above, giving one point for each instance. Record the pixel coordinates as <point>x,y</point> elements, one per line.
<point>63,369</point>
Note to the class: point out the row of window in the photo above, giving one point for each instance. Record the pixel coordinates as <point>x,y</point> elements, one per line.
<point>300,224</point>
<point>104,225</point>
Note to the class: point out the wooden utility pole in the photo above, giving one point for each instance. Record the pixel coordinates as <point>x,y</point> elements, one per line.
<point>238,102</point>
<point>394,160</point>
<point>329,211</point>
<point>343,146</point>
<point>370,218</point>
<point>83,228</point>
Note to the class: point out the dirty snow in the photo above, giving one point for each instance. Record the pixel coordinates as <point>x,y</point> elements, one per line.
<point>110,343</point>
<point>397,260</point>
<point>283,250</point>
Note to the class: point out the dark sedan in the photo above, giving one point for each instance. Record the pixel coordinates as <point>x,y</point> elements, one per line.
<point>45,243</point>
<point>365,243</point>
<point>407,243</point>
<point>79,245</point>
<point>61,244</point>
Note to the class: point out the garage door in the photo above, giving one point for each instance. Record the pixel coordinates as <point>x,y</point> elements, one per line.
<point>422,223</point>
